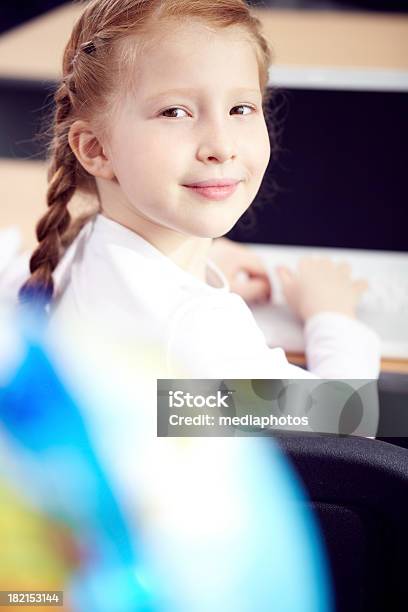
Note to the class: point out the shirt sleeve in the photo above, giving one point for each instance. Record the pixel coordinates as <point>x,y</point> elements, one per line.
<point>342,347</point>
<point>211,339</point>
<point>207,339</point>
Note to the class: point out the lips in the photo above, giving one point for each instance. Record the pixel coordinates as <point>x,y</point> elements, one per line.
<point>214,189</point>
<point>227,182</point>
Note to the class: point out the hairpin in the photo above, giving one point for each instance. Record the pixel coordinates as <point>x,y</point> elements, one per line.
<point>88,47</point>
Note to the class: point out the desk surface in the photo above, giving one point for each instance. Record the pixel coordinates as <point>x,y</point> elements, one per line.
<point>398,366</point>
<point>23,187</point>
<point>298,38</point>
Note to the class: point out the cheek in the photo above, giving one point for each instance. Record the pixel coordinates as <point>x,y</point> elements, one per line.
<point>258,149</point>
<point>138,160</point>
<point>260,157</point>
<point>265,145</point>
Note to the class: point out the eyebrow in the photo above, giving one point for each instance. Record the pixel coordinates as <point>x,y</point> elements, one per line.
<point>189,91</point>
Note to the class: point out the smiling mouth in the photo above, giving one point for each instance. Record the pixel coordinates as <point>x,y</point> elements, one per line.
<point>219,192</point>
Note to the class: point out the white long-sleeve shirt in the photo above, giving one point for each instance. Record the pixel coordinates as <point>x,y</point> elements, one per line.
<point>113,276</point>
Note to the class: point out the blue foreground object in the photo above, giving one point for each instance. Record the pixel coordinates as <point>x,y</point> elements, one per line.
<point>237,539</point>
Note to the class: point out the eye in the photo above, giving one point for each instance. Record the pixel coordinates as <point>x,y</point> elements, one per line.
<point>252,108</point>
<point>170,110</point>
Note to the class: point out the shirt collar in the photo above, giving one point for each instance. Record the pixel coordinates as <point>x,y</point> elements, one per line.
<point>113,230</point>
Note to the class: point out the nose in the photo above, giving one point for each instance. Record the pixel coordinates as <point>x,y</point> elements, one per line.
<point>216,144</point>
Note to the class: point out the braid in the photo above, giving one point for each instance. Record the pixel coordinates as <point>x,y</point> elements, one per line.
<point>53,224</point>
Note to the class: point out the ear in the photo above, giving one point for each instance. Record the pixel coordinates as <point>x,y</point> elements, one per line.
<point>89,151</point>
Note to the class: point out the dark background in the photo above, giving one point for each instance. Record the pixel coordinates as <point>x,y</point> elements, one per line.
<point>17,11</point>
<point>339,177</point>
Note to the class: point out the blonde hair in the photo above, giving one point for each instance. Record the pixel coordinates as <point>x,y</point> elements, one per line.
<point>98,58</point>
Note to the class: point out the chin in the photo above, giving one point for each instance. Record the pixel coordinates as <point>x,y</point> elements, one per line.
<point>215,223</point>
<point>215,230</point>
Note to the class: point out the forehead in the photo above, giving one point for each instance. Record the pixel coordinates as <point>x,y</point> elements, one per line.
<point>194,54</point>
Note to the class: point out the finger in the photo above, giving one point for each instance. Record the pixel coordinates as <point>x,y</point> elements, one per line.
<point>241,275</point>
<point>253,290</point>
<point>313,261</point>
<point>286,276</point>
<point>304,262</point>
<point>360,285</point>
<point>253,265</point>
<point>344,267</point>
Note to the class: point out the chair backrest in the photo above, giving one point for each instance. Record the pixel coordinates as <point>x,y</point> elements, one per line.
<point>358,488</point>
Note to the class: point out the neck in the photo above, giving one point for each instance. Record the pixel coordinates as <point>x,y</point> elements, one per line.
<point>189,252</point>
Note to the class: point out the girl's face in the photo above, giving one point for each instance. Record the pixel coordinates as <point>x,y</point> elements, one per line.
<point>196,115</point>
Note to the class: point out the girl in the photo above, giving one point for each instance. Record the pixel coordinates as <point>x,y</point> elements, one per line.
<point>160,116</point>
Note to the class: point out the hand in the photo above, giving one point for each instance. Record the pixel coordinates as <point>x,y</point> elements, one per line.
<point>320,285</point>
<point>243,269</point>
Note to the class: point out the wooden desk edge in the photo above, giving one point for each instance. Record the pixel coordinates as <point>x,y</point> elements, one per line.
<point>397,366</point>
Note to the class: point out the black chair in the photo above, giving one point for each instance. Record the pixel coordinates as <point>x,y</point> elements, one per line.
<point>358,488</point>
